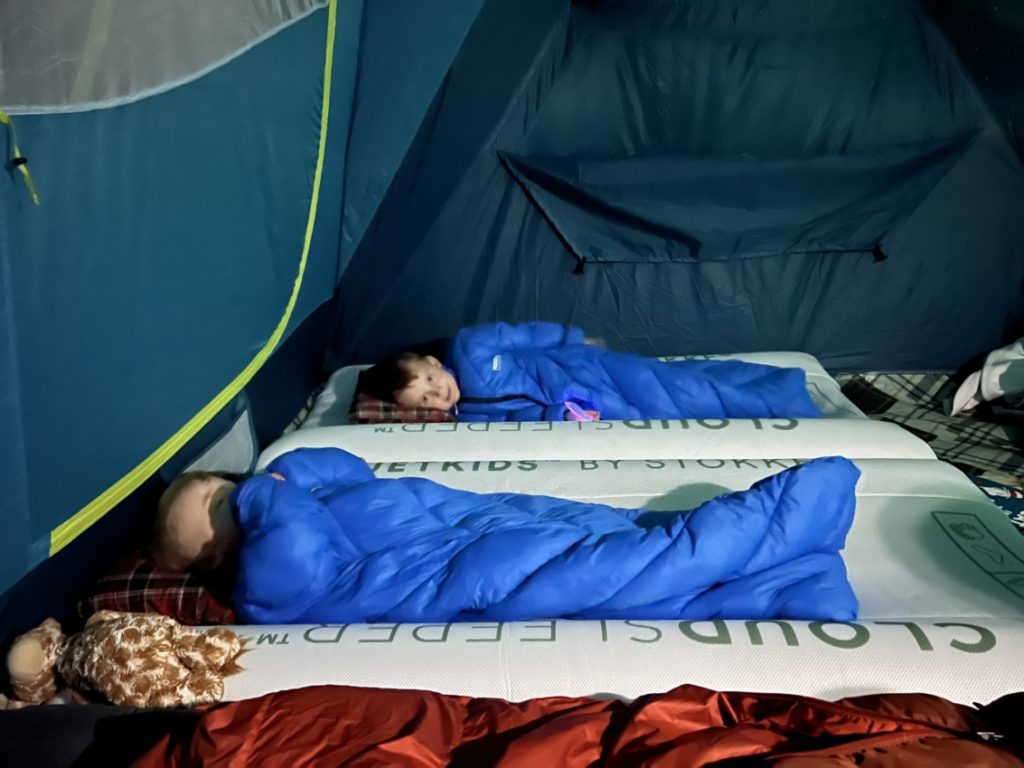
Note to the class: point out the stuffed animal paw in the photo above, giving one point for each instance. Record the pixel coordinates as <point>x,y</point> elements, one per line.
<point>31,664</point>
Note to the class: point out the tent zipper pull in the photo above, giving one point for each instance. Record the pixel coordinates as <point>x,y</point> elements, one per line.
<point>18,160</point>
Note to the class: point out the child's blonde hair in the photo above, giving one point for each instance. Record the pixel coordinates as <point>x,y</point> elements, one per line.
<point>158,537</point>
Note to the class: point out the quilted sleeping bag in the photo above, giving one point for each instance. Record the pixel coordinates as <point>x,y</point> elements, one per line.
<point>528,371</point>
<point>332,543</point>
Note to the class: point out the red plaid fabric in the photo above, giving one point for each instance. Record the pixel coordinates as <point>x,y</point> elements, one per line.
<point>369,410</point>
<point>138,585</point>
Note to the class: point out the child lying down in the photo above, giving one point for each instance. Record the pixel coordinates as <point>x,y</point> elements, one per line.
<point>318,538</point>
<point>547,372</point>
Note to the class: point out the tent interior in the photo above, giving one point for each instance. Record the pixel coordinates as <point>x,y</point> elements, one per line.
<point>320,184</point>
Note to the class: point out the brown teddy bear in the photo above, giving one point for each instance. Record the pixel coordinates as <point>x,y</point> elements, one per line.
<point>131,659</point>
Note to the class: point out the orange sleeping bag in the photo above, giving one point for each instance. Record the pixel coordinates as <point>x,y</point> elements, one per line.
<point>688,727</point>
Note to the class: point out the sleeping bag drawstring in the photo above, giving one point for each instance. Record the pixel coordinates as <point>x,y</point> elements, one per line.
<point>18,160</point>
<point>575,413</point>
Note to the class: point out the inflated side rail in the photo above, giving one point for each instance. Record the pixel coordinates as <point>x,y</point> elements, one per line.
<point>639,439</point>
<point>963,659</point>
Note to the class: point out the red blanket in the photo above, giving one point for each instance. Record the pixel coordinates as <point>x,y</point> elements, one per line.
<point>688,727</point>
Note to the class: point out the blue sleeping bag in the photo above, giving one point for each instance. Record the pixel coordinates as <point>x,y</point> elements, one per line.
<point>334,544</point>
<point>528,371</point>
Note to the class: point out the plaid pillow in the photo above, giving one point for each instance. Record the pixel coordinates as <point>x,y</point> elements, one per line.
<point>138,585</point>
<point>369,410</point>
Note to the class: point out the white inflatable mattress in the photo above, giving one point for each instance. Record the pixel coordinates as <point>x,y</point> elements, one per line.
<point>333,404</point>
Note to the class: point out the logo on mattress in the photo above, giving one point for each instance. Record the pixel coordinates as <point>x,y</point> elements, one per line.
<point>974,538</point>
<point>756,425</point>
<point>582,465</point>
<point>916,636</point>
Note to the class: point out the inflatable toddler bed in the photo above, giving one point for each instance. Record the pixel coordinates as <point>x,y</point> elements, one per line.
<point>333,404</point>
<point>938,569</point>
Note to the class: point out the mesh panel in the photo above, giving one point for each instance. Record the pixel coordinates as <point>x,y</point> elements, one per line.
<point>60,56</point>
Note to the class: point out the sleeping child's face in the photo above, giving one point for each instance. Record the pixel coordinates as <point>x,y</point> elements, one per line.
<point>432,385</point>
<point>196,528</point>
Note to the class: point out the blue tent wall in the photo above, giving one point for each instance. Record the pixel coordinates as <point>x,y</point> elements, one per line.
<point>452,230</point>
<point>465,243</point>
<point>160,261</point>
<point>413,46</point>
<point>989,38</point>
<point>407,47</point>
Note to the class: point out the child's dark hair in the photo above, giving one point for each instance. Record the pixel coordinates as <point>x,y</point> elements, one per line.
<point>387,378</point>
